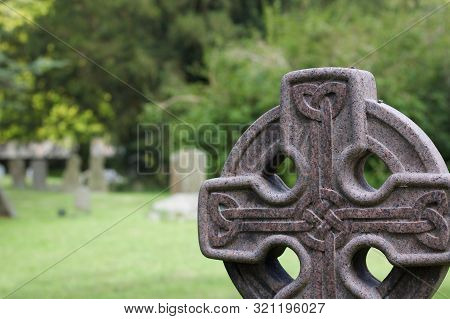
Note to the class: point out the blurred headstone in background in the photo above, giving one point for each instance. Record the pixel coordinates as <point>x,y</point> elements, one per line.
<point>2,171</point>
<point>180,206</point>
<point>40,170</point>
<point>113,178</point>
<point>187,173</point>
<point>99,150</point>
<point>16,164</point>
<point>71,175</point>
<point>39,152</point>
<point>16,169</point>
<point>97,180</point>
<point>187,170</point>
<point>83,198</point>
<point>28,174</point>
<point>5,207</point>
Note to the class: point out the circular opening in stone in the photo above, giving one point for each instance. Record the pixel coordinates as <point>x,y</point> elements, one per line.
<point>290,262</point>
<point>376,171</point>
<point>282,169</point>
<point>371,266</point>
<point>377,264</point>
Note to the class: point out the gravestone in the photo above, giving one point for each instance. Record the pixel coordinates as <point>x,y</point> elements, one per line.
<point>97,181</point>
<point>29,173</point>
<point>39,169</point>
<point>16,168</point>
<point>179,206</point>
<point>6,209</point>
<point>187,170</point>
<point>71,175</point>
<point>328,122</point>
<point>83,198</point>
<point>2,171</point>
<point>99,150</point>
<point>38,152</point>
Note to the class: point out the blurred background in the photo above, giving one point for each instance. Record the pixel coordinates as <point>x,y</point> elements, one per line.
<point>86,85</point>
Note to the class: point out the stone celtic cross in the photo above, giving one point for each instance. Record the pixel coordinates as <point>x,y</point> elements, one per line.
<point>328,122</point>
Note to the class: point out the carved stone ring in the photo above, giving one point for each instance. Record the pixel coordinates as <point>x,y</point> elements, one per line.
<point>328,123</point>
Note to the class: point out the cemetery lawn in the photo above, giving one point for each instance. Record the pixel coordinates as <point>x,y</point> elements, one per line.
<point>137,258</point>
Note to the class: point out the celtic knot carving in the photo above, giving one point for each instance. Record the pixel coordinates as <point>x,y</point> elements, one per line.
<point>323,99</point>
<point>329,123</point>
<point>319,220</point>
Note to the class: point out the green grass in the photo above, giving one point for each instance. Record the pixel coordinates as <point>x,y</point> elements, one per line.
<point>137,258</point>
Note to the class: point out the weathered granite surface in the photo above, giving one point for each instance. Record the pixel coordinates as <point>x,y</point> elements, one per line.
<point>328,122</point>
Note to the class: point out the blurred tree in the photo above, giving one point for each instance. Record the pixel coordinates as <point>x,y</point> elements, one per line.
<point>120,54</point>
<point>140,46</point>
<point>27,110</point>
<point>412,71</point>
<point>206,61</point>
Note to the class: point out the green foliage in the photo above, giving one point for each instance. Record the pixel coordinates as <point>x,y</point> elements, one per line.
<point>9,19</point>
<point>134,49</point>
<point>65,120</point>
<point>412,71</point>
<point>28,110</point>
<point>205,61</point>
<point>375,171</point>
<point>287,172</point>
<point>27,114</point>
